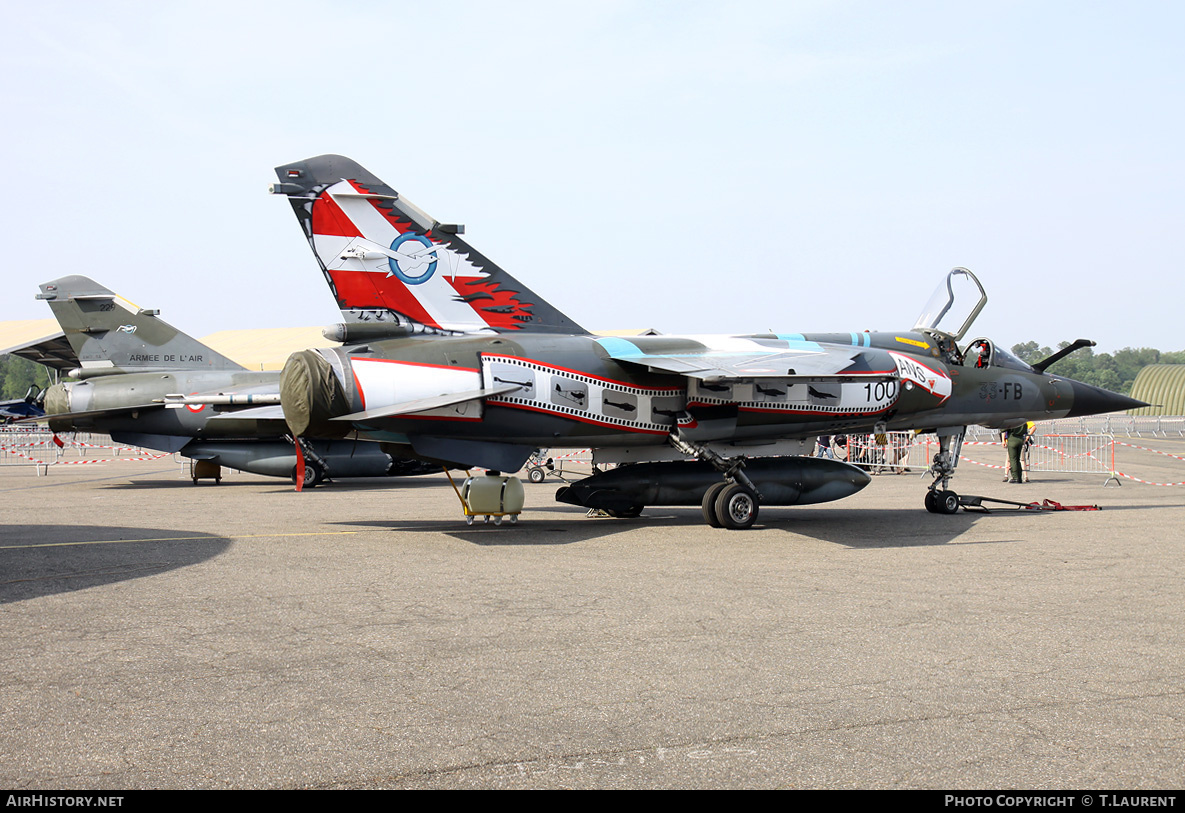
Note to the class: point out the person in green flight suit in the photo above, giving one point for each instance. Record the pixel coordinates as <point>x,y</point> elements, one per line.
<point>1016,437</point>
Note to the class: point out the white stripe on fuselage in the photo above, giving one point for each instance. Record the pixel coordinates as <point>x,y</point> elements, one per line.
<point>384,383</point>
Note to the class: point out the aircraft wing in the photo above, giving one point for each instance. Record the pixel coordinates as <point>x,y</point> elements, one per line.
<point>39,340</point>
<point>264,413</point>
<point>20,409</point>
<point>742,359</point>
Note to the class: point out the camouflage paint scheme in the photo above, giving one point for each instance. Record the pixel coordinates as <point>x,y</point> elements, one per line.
<point>148,384</point>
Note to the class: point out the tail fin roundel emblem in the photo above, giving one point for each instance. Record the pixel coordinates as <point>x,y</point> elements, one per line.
<point>417,260</point>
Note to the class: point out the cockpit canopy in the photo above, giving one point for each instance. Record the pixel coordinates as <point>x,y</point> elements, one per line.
<point>953,306</point>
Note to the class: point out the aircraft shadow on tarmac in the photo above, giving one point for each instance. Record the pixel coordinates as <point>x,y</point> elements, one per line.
<point>280,484</point>
<point>43,560</point>
<point>863,529</point>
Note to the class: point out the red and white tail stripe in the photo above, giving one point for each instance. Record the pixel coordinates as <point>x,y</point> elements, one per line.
<point>380,262</point>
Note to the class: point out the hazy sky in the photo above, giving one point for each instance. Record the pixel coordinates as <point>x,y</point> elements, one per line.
<point>694,167</point>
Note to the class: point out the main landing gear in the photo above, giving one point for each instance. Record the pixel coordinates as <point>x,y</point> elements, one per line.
<point>316,470</point>
<point>732,504</point>
<point>313,473</point>
<point>939,499</point>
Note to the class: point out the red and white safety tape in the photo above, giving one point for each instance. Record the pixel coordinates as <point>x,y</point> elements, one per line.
<point>570,455</point>
<point>110,460</point>
<point>1154,451</point>
<point>12,450</point>
<point>64,443</point>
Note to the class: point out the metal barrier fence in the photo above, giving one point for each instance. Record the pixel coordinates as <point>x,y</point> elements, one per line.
<point>886,451</point>
<point>1073,454</point>
<point>905,451</point>
<point>1128,425</point>
<point>40,449</point>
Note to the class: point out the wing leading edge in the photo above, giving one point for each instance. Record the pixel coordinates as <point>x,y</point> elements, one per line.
<point>738,359</point>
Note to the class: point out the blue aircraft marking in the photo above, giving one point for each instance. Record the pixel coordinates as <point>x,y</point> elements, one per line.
<point>620,348</point>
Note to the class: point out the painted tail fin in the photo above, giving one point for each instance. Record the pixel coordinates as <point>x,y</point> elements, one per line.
<point>389,263</point>
<point>111,335</point>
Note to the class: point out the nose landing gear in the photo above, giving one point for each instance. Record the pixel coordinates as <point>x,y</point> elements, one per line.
<point>939,499</point>
<point>942,502</point>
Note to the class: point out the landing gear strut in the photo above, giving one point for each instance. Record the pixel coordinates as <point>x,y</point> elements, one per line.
<point>732,504</point>
<point>316,470</point>
<point>940,500</point>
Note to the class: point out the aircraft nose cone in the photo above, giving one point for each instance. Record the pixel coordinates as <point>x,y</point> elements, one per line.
<point>1090,400</point>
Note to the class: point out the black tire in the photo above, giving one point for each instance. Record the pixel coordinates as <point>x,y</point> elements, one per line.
<point>536,475</point>
<point>709,504</point>
<point>626,513</point>
<point>932,502</point>
<point>313,474</point>
<point>736,507</point>
<point>948,502</point>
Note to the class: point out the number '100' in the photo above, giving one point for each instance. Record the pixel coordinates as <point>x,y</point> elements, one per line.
<point>880,390</point>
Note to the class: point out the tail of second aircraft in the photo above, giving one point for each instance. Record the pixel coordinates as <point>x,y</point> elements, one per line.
<point>111,335</point>
<point>390,264</point>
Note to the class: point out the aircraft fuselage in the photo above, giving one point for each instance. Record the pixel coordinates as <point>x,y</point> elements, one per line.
<point>579,391</point>
<point>134,403</point>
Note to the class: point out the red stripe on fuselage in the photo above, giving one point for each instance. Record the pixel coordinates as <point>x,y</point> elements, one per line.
<point>804,411</point>
<point>579,372</point>
<point>593,421</point>
<point>415,364</point>
<point>358,387</point>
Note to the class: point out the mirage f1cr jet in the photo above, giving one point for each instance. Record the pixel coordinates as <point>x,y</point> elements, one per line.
<point>464,365</point>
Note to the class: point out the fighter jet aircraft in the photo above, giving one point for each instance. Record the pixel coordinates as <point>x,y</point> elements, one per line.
<point>21,408</point>
<point>148,384</point>
<point>463,364</point>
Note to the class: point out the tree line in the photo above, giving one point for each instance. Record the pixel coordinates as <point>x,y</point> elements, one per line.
<point>18,374</point>
<point>1114,372</point>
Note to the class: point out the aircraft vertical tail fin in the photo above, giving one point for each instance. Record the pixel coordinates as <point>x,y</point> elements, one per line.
<point>387,261</point>
<point>111,335</point>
